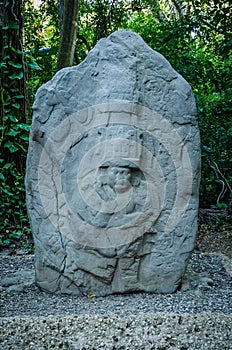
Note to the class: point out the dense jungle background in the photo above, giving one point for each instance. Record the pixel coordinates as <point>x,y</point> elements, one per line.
<point>37,38</point>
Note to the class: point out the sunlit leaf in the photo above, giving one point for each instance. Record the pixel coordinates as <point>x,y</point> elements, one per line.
<point>19,96</point>
<point>2,177</point>
<point>13,118</point>
<point>24,137</point>
<point>16,75</point>
<point>24,126</point>
<point>12,132</point>
<point>34,65</point>
<point>11,146</point>
<point>15,65</point>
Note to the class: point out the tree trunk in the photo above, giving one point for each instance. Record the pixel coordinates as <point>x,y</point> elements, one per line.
<point>12,84</point>
<point>11,55</point>
<point>60,14</point>
<point>180,7</point>
<point>68,34</point>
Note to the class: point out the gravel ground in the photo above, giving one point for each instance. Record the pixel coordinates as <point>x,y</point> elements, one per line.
<point>144,331</point>
<point>198,316</point>
<point>207,286</point>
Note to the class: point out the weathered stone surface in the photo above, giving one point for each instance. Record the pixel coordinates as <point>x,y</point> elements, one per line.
<point>113,173</point>
<point>18,282</point>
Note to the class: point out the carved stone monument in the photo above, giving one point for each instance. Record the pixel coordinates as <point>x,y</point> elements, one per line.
<point>113,173</point>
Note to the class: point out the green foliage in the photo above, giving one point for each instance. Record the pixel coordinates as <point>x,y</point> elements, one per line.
<point>41,43</point>
<point>97,19</point>
<point>194,37</point>
<point>206,65</point>
<point>14,128</point>
<point>23,70</point>
<point>14,228</point>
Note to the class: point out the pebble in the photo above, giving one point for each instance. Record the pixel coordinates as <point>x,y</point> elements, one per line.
<point>205,331</point>
<point>198,316</point>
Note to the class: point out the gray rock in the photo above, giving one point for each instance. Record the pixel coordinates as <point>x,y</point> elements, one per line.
<point>226,262</point>
<point>16,288</point>
<point>113,173</point>
<point>18,281</point>
<point>196,281</point>
<point>8,281</point>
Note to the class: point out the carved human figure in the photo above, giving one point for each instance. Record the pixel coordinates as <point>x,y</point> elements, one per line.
<point>122,190</point>
<point>113,180</point>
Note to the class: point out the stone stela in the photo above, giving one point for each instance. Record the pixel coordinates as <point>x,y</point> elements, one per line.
<point>113,173</point>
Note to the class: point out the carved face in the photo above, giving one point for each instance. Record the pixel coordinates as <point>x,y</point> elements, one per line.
<point>119,178</point>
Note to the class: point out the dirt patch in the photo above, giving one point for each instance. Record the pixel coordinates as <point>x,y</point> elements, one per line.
<point>214,240</point>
